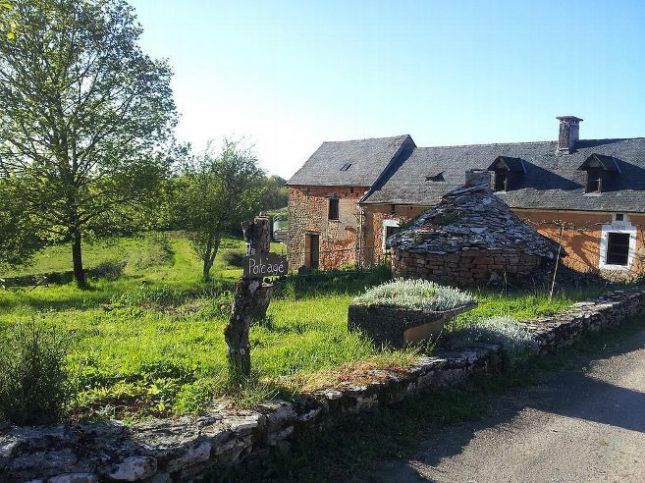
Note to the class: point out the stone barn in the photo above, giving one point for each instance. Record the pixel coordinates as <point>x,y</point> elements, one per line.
<point>471,238</point>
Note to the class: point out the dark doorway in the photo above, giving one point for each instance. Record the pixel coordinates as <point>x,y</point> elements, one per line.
<point>312,250</point>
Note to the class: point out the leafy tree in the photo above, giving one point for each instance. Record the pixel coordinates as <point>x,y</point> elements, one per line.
<point>18,241</point>
<point>276,193</point>
<point>217,193</point>
<point>86,117</point>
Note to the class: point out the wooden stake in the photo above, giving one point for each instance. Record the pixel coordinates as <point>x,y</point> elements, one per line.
<point>557,262</point>
<point>251,301</point>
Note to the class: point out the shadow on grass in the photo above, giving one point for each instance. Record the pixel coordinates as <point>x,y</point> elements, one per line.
<point>131,291</point>
<point>350,281</point>
<point>357,448</point>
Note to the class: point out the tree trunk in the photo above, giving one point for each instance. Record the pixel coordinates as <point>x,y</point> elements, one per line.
<point>209,257</point>
<point>77,259</point>
<point>249,294</point>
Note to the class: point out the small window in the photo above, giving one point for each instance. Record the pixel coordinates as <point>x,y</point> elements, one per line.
<point>617,249</point>
<point>333,209</point>
<point>345,166</point>
<point>594,181</point>
<point>619,217</point>
<point>501,181</point>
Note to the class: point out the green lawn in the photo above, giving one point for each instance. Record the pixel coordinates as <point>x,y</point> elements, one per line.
<point>151,342</point>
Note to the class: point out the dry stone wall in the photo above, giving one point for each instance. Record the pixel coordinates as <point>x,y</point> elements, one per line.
<point>467,267</point>
<point>181,449</point>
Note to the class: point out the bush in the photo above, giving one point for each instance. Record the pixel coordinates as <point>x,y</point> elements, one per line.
<point>34,382</point>
<point>515,340</point>
<point>109,270</point>
<point>233,258</point>
<point>414,294</point>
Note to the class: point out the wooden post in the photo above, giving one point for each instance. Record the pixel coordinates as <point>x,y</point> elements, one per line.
<point>557,261</point>
<point>252,298</point>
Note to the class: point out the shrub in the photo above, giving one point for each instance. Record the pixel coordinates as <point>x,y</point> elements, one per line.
<point>515,340</point>
<point>233,258</point>
<point>110,269</point>
<point>414,294</point>
<point>34,382</point>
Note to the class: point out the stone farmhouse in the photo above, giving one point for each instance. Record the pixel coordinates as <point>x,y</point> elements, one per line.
<point>350,196</point>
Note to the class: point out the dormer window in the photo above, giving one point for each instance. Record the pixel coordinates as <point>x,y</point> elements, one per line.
<point>436,176</point>
<point>594,181</point>
<point>598,167</point>
<point>508,171</point>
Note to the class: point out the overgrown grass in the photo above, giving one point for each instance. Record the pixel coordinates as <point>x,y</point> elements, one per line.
<point>150,343</point>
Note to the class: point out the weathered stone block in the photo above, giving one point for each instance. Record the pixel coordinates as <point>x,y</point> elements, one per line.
<point>397,326</point>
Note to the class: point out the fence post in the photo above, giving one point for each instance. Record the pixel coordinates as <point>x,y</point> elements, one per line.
<point>252,298</point>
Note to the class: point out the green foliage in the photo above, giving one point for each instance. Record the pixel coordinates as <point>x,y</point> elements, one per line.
<point>219,191</point>
<point>34,383</point>
<point>350,280</point>
<point>414,294</point>
<point>506,331</point>
<point>86,118</point>
<point>157,251</point>
<point>276,193</point>
<point>150,343</point>
<point>18,240</point>
<point>523,305</point>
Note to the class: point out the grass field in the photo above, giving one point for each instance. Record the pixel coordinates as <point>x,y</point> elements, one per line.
<point>150,343</point>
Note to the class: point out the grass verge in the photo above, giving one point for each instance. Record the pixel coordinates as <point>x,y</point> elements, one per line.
<point>350,451</point>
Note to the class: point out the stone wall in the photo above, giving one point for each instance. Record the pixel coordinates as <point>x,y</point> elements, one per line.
<point>466,268</point>
<point>180,449</point>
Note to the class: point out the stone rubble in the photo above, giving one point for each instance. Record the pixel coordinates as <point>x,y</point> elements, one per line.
<point>183,448</point>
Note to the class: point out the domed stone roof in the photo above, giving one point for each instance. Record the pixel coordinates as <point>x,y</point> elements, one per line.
<point>471,217</point>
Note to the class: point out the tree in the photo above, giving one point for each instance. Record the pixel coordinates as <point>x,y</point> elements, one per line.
<point>276,194</point>
<point>86,117</point>
<point>218,192</point>
<point>18,241</point>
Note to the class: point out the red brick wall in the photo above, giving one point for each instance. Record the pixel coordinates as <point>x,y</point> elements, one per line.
<point>308,213</point>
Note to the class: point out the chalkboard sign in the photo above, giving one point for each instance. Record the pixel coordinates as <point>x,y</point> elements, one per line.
<point>271,265</point>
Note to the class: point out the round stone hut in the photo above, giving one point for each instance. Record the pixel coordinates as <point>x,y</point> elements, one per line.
<point>471,238</point>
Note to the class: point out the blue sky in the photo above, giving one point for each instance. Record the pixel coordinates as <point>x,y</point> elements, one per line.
<point>288,75</point>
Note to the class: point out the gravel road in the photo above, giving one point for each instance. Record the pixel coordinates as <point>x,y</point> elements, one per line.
<point>586,424</point>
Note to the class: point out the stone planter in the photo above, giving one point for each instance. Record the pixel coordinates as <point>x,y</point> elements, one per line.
<point>400,327</point>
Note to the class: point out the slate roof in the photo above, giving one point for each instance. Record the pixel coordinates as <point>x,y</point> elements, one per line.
<point>551,181</point>
<point>369,158</point>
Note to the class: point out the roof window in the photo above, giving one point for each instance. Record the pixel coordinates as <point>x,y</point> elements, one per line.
<point>345,166</point>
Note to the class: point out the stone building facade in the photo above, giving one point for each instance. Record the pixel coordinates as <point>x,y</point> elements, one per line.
<point>592,190</point>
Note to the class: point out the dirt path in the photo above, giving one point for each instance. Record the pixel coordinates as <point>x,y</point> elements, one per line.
<point>582,425</point>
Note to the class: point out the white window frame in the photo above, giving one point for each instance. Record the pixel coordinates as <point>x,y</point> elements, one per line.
<point>392,223</point>
<point>617,227</point>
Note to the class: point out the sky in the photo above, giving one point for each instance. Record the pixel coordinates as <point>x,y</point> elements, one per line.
<point>288,75</point>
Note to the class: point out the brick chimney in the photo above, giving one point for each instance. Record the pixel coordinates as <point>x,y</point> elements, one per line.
<point>568,135</point>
